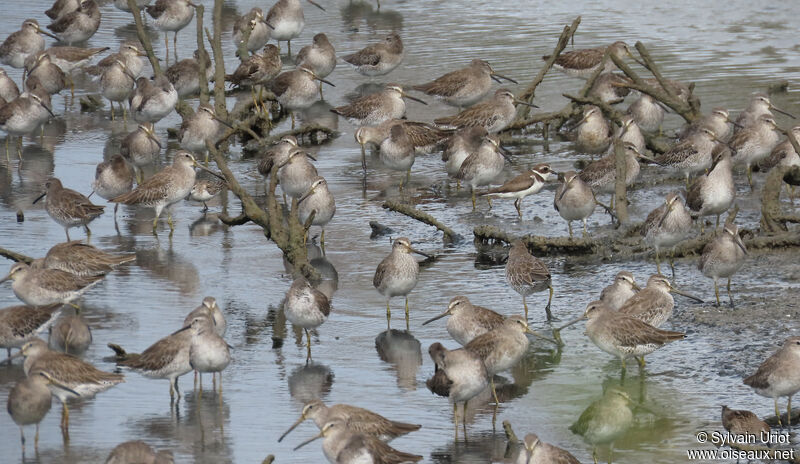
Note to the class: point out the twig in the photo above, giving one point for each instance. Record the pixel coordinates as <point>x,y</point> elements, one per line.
<point>201,60</point>
<point>420,216</point>
<point>14,256</point>
<point>144,39</point>
<point>619,183</point>
<point>219,61</point>
<point>611,112</point>
<point>770,200</point>
<point>234,221</point>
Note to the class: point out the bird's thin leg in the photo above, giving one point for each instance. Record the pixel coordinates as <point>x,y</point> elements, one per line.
<point>407,325</point>
<point>569,228</point>
<point>388,315</point>
<point>716,291</point>
<point>778,413</point>
<point>658,262</point>
<point>308,345</point>
<point>525,304</point>
<point>549,301</point>
<point>166,45</point>
<point>175,45</point>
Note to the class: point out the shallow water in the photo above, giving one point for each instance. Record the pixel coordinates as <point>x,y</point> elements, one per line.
<point>728,51</point>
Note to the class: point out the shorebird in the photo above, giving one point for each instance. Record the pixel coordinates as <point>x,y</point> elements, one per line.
<point>76,375</point>
<point>81,259</point>
<point>208,351</point>
<point>129,53</point>
<point>740,422</point>
<point>70,334</point>
<point>723,257</point>
<point>667,226</point>
<point>397,274</point>
<point>605,420</point>
<point>460,375</point>
<point>378,59</point>
<point>784,155</point>
<point>257,70</point>
<point>691,155</point>
<point>648,113</point>
<point>468,321</point>
<point>185,74</point>
<point>23,43</point>
<point>320,57</point>
<point>68,207</point>
<point>341,444</point>
<point>201,127</point>
<point>69,59</point>
<point>653,304</point>
<point>713,193</point>
<point>397,151</point>
<point>594,131</point>
<point>138,451</point>
<point>611,88</point>
<point>621,290</point>
<point>459,146</point>
<point>30,400</point>
<point>45,287</point>
<point>624,336</point>
<point>141,148</point>
<point>754,143</point>
<point>539,452</point>
<point>204,190</point>
<point>296,174</point>
<point>209,308</point>
<point>422,136</point>
<point>357,419</point>
<point>61,8</point>
<point>113,178</point>
<point>79,25</point>
<point>574,200</point>
<point>296,90</point>
<point>759,105</point>
<point>319,201</point>
<point>527,274</point>
<point>493,115</point>
<point>21,324</point>
<point>718,120</point>
<point>376,108</point>
<point>8,88</point>
<point>152,100</point>
<point>24,114</point>
<point>584,62</point>
<point>41,70</point>
<point>629,132</point>
<point>171,15</point>
<point>601,175</point>
<point>259,31</point>
<point>779,375</point>
<point>306,307</point>
<point>123,5</point>
<point>463,87</point>
<point>116,85</point>
<point>483,166</point>
<point>168,358</point>
<point>277,155</point>
<point>165,188</point>
<point>286,20</point>
<point>529,182</point>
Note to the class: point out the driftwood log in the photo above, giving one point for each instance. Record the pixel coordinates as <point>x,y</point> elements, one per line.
<point>414,213</point>
<point>14,256</point>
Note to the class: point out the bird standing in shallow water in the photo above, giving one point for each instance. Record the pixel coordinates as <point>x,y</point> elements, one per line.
<point>494,114</point>
<point>584,62</point>
<point>713,193</point>
<point>141,148</point>
<point>574,200</point>
<point>318,200</point>
<point>376,108</point>
<point>259,31</point>
<point>468,321</point>
<point>594,131</point>
<point>23,43</point>
<point>740,422</point>
<point>171,15</point>
<point>483,166</point>
<point>257,70</point>
<point>527,183</point>
<point>723,257</point>
<point>201,127</point>
<point>208,351</point>
<point>81,259</point>
<point>539,452</point>
<point>21,324</point>
<point>378,59</point>
<point>527,275</point>
<point>779,376</point>
<point>296,90</point>
<point>397,274</point>
<point>654,304</point>
<point>79,25</point>
<point>459,146</point>
<point>621,290</point>
<point>465,86</point>
<point>286,20</point>
<point>319,57</point>
<point>306,307</point>
<point>68,207</point>
<point>204,190</point>
<point>113,178</point>
<point>341,445</point>
<point>667,226</point>
<point>45,287</point>
<point>754,143</point>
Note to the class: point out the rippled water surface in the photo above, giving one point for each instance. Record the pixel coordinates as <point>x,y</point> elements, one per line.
<point>729,50</point>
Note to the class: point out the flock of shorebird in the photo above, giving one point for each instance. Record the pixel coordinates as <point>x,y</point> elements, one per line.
<point>624,321</point>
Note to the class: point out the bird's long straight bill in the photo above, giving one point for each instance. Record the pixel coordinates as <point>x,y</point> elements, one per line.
<point>405,95</point>
<point>39,198</point>
<point>687,295</point>
<point>436,318</point>
<point>42,31</point>
<point>420,253</point>
<point>307,441</point>
<point>571,323</point>
<point>543,337</point>
<point>294,426</point>
<point>494,74</point>
<point>316,5</point>
<point>773,108</point>
<point>210,171</point>
<point>522,102</point>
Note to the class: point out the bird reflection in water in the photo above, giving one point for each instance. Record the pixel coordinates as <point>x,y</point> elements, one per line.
<point>403,352</point>
<point>310,382</point>
<point>169,265</point>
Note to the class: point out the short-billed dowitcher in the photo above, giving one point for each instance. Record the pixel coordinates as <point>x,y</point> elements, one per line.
<point>185,74</point>
<point>69,59</point>
<point>79,25</point>
<point>306,307</point>
<point>153,99</point>
<point>624,336</point>
<point>601,175</point>
<point>468,321</point>
<point>253,21</point>
<point>574,200</point>
<point>460,145</point>
<point>45,287</point>
<point>8,88</point>
<point>611,88</point>
<point>30,400</point>
<point>208,351</point>
<point>296,174</point>
<point>653,304</point>
<point>397,273</point>
<point>629,132</point>
<point>116,85</point>
<point>722,257</point>
<point>620,291</point>
<point>423,136</point>
<point>257,70</point>
<point>123,4</point>
<point>779,375</point>
<point>277,155</point>
<point>494,114</point>
<point>667,226</point>
<point>320,57</point>
<point>286,20</point>
<point>23,43</point>
<point>141,147</point>
<point>319,201</point>
<point>168,358</point>
<point>165,188</point>
<point>210,309</point>
<point>594,131</point>
<point>483,166</point>
<point>24,114</point>
<point>691,155</point>
<point>20,324</point>
<point>205,189</point>
<point>460,375</point>
<point>61,8</point>
<point>376,108</point>
<point>759,105</point>
<point>81,259</point>
<point>171,15</point>
<point>740,422</point>
<point>527,275</point>
<point>138,451</point>
<point>605,420</point>
<point>296,90</point>
<point>201,127</point>
<point>68,207</point>
<point>343,445</point>
<point>464,86</point>
<point>378,59</point>
<point>754,143</point>
<point>357,419</point>
<point>42,70</point>
<point>648,113</point>
<point>70,333</point>
<point>539,452</point>
<point>529,182</point>
<point>783,154</point>
<point>584,62</point>
<point>718,120</point>
<point>129,53</point>
<point>397,151</point>
<point>713,193</point>
<point>113,178</point>
<point>77,375</point>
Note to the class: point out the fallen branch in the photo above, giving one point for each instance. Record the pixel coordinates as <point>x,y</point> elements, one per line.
<point>620,194</point>
<point>201,60</point>
<point>144,39</point>
<point>771,213</point>
<point>219,61</point>
<point>421,216</point>
<point>14,256</point>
